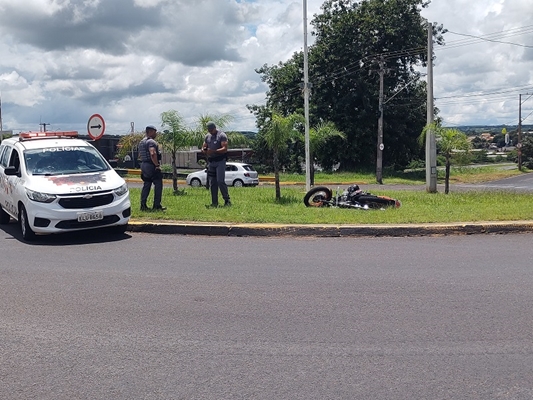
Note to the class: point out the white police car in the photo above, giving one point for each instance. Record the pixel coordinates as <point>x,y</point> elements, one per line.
<point>53,182</point>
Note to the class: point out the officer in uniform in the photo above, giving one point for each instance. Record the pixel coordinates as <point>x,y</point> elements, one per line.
<point>151,169</point>
<point>215,147</point>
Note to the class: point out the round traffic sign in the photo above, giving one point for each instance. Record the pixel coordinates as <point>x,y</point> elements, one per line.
<point>96,126</point>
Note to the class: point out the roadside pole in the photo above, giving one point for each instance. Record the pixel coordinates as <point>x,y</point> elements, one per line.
<point>431,147</point>
<point>306,104</point>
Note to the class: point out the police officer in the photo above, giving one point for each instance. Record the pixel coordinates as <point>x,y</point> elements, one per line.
<point>215,147</point>
<point>151,169</point>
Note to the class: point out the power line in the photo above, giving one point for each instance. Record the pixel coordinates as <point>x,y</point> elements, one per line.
<point>498,91</point>
<point>491,40</point>
<point>362,64</point>
<point>491,37</point>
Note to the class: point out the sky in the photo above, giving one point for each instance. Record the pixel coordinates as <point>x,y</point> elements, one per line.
<point>62,61</point>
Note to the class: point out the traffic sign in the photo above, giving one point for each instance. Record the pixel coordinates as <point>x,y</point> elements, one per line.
<point>96,126</point>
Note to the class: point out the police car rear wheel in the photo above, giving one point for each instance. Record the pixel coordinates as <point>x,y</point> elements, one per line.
<point>27,233</point>
<point>4,217</point>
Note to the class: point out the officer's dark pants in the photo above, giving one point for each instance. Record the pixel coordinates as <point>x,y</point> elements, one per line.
<point>150,176</point>
<point>216,175</point>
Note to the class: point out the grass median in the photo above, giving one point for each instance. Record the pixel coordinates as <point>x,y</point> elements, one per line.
<point>258,205</point>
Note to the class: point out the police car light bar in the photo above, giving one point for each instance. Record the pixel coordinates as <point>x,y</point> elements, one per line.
<point>33,135</point>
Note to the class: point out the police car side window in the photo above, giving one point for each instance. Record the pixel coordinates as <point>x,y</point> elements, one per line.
<point>5,156</point>
<point>15,160</point>
<point>2,149</point>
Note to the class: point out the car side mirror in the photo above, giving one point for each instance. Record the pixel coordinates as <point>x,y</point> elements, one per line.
<point>113,163</point>
<point>11,171</point>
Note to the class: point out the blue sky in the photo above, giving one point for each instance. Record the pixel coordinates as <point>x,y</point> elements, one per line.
<point>130,60</point>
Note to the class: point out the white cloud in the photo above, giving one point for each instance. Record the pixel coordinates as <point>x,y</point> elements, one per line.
<point>131,60</point>
<point>478,81</point>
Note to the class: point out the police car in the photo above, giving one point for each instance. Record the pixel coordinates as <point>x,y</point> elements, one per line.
<point>52,182</point>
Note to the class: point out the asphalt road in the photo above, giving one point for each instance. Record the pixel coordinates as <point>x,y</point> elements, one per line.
<point>520,182</point>
<point>179,317</point>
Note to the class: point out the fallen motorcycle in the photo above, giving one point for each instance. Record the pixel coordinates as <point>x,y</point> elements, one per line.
<point>352,197</point>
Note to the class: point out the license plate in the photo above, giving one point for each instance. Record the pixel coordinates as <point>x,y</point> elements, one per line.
<point>90,216</point>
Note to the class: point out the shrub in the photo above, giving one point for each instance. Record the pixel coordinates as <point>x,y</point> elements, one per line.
<point>480,157</point>
<point>529,163</point>
<point>416,164</point>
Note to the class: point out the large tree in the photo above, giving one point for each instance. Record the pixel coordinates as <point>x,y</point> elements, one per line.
<point>354,42</point>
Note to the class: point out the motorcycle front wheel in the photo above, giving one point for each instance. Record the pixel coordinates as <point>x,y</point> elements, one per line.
<point>317,197</point>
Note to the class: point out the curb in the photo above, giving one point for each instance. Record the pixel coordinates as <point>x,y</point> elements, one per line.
<point>280,230</point>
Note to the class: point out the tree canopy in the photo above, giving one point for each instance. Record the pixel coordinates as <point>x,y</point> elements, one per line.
<point>354,41</point>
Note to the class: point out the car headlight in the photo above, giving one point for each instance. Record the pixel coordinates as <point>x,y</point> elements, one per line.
<point>121,191</point>
<point>40,197</point>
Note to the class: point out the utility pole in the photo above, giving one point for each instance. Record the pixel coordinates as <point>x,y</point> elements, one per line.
<point>43,125</point>
<point>306,104</point>
<point>1,125</point>
<point>431,146</point>
<point>381,146</point>
<point>382,102</point>
<point>132,124</point>
<point>519,144</point>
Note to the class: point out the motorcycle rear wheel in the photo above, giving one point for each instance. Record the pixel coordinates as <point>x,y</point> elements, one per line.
<point>377,202</point>
<point>317,197</point>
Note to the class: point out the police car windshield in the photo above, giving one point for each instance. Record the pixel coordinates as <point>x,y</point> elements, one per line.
<point>64,160</point>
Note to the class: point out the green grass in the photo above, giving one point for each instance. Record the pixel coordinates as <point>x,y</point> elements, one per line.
<point>258,205</point>
<point>361,178</point>
<point>467,174</point>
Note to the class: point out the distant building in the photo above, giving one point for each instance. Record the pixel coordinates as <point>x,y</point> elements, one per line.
<point>189,159</point>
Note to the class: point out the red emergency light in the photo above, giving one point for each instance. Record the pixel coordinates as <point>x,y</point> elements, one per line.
<point>34,135</point>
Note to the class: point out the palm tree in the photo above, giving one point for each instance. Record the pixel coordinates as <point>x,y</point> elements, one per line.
<point>449,141</point>
<point>278,132</point>
<point>128,144</point>
<point>318,136</point>
<point>220,120</point>
<point>176,137</point>
<point>235,139</point>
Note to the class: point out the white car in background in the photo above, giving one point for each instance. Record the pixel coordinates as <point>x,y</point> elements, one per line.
<point>237,174</point>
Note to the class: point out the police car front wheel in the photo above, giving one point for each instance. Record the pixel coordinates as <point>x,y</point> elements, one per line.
<point>27,233</point>
<point>4,217</point>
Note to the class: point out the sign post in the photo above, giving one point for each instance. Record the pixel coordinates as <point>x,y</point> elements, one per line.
<point>96,126</point>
